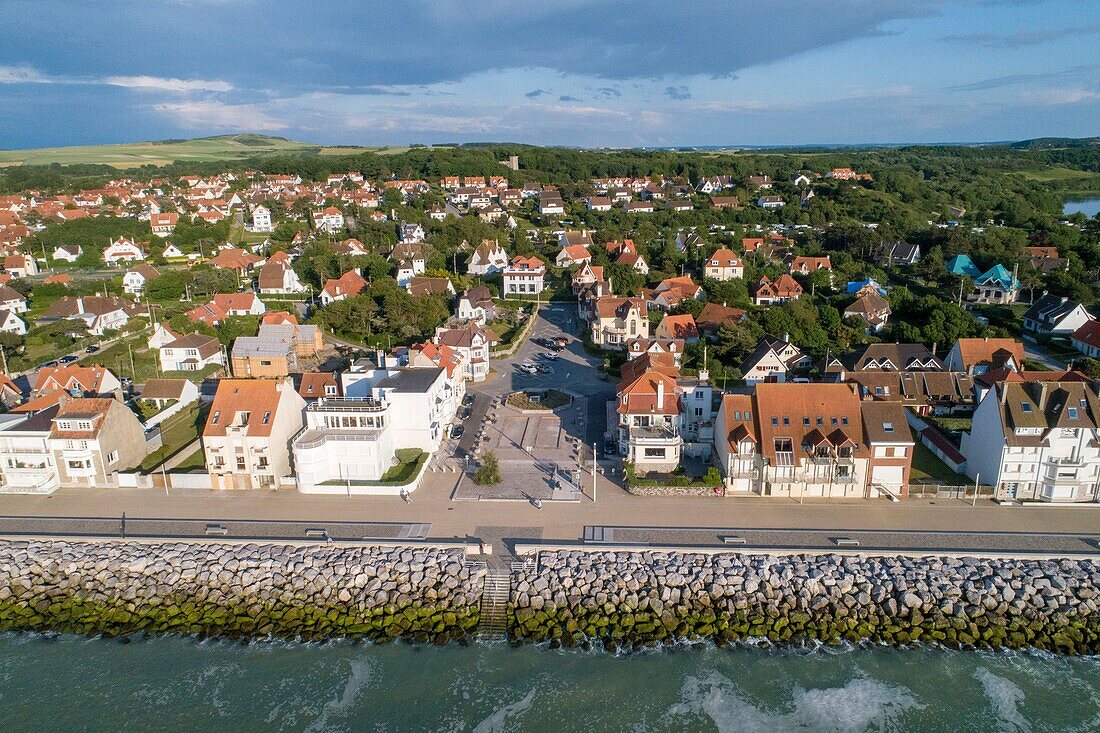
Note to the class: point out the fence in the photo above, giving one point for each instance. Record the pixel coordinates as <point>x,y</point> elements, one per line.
<point>947,491</point>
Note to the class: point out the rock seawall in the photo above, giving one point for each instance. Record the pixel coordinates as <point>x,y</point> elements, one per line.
<point>644,598</point>
<point>255,590</point>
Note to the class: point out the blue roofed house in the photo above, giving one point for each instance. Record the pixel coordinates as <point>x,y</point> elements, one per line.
<point>963,266</point>
<point>997,285</point>
<point>857,286</point>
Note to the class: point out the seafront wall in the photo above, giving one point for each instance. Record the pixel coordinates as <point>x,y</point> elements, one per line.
<point>239,590</point>
<point>622,599</point>
<point>632,599</point>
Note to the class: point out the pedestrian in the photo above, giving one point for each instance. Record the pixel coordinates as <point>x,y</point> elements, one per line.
<point>538,503</point>
<point>405,496</point>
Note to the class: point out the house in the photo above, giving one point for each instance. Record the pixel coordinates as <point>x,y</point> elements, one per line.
<point>1086,339</point>
<point>351,247</point>
<point>760,182</point>
<point>1036,440</point>
<point>887,358</point>
<point>640,346</point>
<point>725,202</point>
<point>279,318</point>
<point>619,320</point>
<point>976,356</point>
<point>235,259</point>
<point>422,400</point>
<point>598,203</point>
<point>274,351</point>
<point>574,254</point>
<point>714,316</point>
<point>471,343</point>
<point>681,328</point>
<point>58,279</point>
<point>122,250</point>
<point>550,203</point>
<point>77,381</point>
<point>872,308</point>
<point>670,291</point>
<point>411,233</point>
<point>812,440</point>
<point>10,322</point>
<point>247,435</point>
<point>93,437</point>
<point>261,220</point>
<point>1054,315</point>
<point>160,336</point>
<point>772,361</point>
<point>172,252</point>
<point>586,274</point>
<point>135,279</point>
<point>329,220</point>
<point>801,265</point>
<point>20,265</point>
<point>163,224</point>
<point>650,415</point>
<point>639,207</point>
<point>166,393</point>
<point>488,258</point>
<point>411,261</point>
<point>997,285</point>
<point>770,202</point>
<point>12,300</point>
<point>422,285</point>
<point>98,313</point>
<point>784,288</point>
<point>476,304</point>
<point>68,252</point>
<point>239,304</point>
<point>524,276</point>
<point>317,385</point>
<point>724,265</point>
<point>279,278</point>
<point>685,241</point>
<point>899,254</point>
<point>962,266</point>
<point>634,261</point>
<point>190,353</point>
<point>801,179</point>
<point>348,285</point>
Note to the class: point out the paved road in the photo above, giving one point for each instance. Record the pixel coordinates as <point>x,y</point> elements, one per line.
<point>1037,353</point>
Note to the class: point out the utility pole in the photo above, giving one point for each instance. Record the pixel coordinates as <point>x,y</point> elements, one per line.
<point>4,356</point>
<point>594,466</point>
<point>133,369</point>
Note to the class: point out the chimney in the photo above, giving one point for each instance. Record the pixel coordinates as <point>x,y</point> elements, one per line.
<point>80,306</point>
<point>660,392</point>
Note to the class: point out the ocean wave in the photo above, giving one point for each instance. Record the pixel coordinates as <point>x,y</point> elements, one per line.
<point>495,722</point>
<point>1006,698</point>
<point>361,675</point>
<point>857,706</point>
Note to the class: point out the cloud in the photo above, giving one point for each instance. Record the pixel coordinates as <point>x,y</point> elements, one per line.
<point>156,83</point>
<point>607,92</point>
<point>212,114</point>
<point>1022,38</point>
<point>567,98</point>
<point>678,92</point>
<point>1088,71</point>
<point>535,93</point>
<point>21,75</point>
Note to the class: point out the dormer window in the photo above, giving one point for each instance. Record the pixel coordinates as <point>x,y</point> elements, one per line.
<point>888,427</point>
<point>1025,407</point>
<point>267,418</point>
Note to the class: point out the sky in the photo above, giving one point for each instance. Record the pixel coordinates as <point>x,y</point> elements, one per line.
<point>571,72</point>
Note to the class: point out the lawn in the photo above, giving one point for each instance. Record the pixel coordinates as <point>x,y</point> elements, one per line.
<point>552,400</point>
<point>927,468</point>
<point>409,463</point>
<point>176,432</point>
<point>194,462</point>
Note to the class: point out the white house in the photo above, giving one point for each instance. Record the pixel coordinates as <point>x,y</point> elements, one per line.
<point>191,353</point>
<point>261,220</point>
<point>422,401</point>
<point>1055,316</point>
<point>10,322</point>
<point>135,280</point>
<point>724,265</point>
<point>524,276</point>
<point>1037,440</point>
<point>489,257</point>
<point>329,220</point>
<point>346,442</point>
<point>122,250</point>
<point>771,361</point>
<point>68,252</point>
<point>12,300</point>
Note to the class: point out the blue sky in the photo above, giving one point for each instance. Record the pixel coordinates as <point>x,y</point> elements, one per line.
<point>573,72</point>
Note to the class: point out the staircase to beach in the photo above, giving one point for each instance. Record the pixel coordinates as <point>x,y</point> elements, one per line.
<point>496,592</point>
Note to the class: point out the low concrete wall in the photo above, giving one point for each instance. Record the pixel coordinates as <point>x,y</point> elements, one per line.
<point>675,490</point>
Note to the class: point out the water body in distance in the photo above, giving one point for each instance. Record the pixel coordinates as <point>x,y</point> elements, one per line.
<point>1088,207</point>
<point>70,683</point>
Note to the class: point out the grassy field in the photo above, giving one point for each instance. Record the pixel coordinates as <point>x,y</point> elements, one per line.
<point>176,433</point>
<point>132,155</point>
<point>928,468</point>
<point>1057,173</point>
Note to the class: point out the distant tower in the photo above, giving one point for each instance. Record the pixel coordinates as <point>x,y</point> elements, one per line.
<point>513,162</point>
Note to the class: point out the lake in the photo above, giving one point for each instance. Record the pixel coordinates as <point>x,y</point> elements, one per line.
<point>1088,207</point>
<point>176,684</point>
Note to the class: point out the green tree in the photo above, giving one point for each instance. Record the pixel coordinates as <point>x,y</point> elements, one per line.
<point>488,473</point>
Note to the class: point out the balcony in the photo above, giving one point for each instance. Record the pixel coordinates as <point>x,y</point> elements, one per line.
<point>347,404</point>
<point>1065,460</point>
<point>311,438</point>
<point>657,434</point>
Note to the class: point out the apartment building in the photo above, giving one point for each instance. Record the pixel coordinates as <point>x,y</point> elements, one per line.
<point>27,465</point>
<point>650,414</point>
<point>248,432</point>
<point>1037,440</point>
<point>619,320</point>
<point>524,276</point>
<point>345,442</point>
<point>93,437</point>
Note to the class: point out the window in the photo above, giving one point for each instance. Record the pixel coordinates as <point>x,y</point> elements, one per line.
<point>843,421</point>
<point>775,420</point>
<point>786,420</point>
<point>1073,413</point>
<point>217,416</point>
<point>832,421</point>
<point>267,418</point>
<point>654,452</point>
<point>888,427</point>
<point>820,420</point>
<point>112,457</point>
<point>1025,407</point>
<point>806,421</point>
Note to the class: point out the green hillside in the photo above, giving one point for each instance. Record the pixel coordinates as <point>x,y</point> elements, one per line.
<point>164,152</point>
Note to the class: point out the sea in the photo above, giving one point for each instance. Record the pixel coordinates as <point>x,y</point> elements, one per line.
<point>68,683</point>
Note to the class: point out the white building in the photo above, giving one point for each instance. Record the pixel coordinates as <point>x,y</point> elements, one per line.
<point>345,442</point>
<point>524,276</point>
<point>1037,440</point>
<point>261,220</point>
<point>122,250</point>
<point>27,465</point>
<point>489,257</point>
<point>191,353</point>
<point>423,401</point>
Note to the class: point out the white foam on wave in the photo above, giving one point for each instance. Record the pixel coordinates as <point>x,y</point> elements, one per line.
<point>495,722</point>
<point>1005,697</point>
<point>362,672</point>
<point>858,706</point>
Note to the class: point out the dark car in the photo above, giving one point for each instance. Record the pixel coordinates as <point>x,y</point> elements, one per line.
<point>67,359</point>
<point>466,414</point>
<point>468,400</point>
<point>545,369</point>
<point>457,431</point>
<point>610,446</point>
<point>91,349</point>
<point>557,347</point>
<point>45,365</point>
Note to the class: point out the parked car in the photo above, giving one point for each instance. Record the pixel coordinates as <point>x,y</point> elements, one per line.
<point>46,365</point>
<point>468,400</point>
<point>91,349</point>
<point>610,446</point>
<point>457,431</point>
<point>67,359</point>
<point>561,341</point>
<point>545,368</point>
<point>465,414</point>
